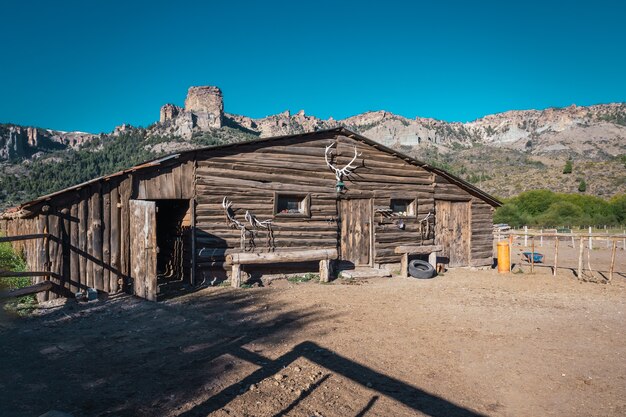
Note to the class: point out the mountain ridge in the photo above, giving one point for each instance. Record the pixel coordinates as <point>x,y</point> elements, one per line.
<point>504,153</point>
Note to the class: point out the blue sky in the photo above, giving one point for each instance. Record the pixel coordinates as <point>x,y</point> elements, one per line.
<point>92,65</point>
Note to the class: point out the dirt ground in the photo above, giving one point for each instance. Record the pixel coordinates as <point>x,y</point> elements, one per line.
<point>466,343</point>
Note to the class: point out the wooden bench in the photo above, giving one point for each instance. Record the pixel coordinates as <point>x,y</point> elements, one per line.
<point>324,256</point>
<point>405,251</point>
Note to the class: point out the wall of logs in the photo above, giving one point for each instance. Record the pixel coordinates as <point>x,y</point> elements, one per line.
<point>89,243</point>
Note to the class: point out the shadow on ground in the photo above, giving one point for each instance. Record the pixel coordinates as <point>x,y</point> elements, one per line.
<point>191,356</point>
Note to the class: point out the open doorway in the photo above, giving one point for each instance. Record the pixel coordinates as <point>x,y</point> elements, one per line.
<point>173,226</point>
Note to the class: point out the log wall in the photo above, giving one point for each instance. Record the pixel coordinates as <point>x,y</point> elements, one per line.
<point>90,243</point>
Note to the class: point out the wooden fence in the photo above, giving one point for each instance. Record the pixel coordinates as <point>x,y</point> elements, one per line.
<point>536,239</point>
<point>45,284</point>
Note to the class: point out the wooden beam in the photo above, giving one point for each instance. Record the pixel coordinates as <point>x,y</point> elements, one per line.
<point>12,274</point>
<point>23,237</point>
<point>33,289</point>
<point>418,250</point>
<point>290,256</point>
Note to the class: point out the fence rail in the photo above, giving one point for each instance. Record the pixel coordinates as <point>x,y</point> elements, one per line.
<point>611,239</point>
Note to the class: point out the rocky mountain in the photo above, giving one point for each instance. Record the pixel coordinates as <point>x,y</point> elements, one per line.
<point>504,153</point>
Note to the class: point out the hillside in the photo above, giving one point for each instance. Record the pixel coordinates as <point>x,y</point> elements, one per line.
<point>504,153</point>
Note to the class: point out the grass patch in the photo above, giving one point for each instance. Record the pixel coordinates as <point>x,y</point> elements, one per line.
<point>296,279</point>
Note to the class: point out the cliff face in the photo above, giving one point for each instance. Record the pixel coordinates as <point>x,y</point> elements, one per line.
<point>24,142</point>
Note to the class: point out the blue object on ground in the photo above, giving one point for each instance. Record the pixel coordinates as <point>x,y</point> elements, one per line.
<point>537,257</point>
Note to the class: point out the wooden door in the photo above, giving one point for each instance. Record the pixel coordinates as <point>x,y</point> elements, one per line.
<point>356,231</point>
<point>452,231</point>
<point>143,248</point>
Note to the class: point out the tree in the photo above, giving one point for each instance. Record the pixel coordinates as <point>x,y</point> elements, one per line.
<point>567,169</point>
<point>582,186</point>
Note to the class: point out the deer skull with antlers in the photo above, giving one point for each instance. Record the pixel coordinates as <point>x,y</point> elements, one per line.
<point>340,172</point>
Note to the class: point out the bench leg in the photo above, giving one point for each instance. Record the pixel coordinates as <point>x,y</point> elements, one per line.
<point>432,259</point>
<point>404,266</point>
<point>325,270</point>
<point>235,279</point>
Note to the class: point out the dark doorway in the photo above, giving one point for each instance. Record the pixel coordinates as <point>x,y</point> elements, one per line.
<point>173,221</point>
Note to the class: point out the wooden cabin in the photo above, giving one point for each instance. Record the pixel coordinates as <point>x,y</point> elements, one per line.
<point>175,220</point>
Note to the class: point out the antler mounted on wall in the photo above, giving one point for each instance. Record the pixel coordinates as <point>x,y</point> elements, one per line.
<point>340,172</point>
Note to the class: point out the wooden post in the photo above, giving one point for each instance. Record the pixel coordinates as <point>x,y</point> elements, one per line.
<point>404,265</point>
<point>325,270</point>
<point>525,236</point>
<point>510,252</point>
<point>116,266</point>
<point>612,268</point>
<point>532,254</point>
<point>74,276</point>
<point>590,239</point>
<point>541,239</point>
<point>580,257</point>
<point>235,279</point>
<point>624,240</point>
<point>432,259</point>
<point>192,278</point>
<point>556,255</point>
<point>106,237</point>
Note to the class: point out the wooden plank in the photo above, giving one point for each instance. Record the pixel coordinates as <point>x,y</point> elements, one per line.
<point>248,258</point>
<point>23,237</point>
<point>114,234</point>
<point>83,215</point>
<point>13,274</point>
<point>74,276</point>
<point>65,226</point>
<point>96,227</point>
<point>55,248</point>
<point>125,193</point>
<point>106,237</point>
<point>418,250</point>
<point>143,248</point>
<point>33,289</point>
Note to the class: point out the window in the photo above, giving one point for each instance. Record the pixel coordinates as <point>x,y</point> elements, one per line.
<point>402,207</point>
<point>296,205</point>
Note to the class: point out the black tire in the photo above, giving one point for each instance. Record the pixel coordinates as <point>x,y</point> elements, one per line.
<point>421,269</point>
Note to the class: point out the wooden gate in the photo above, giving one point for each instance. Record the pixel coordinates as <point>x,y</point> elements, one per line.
<point>356,231</point>
<point>143,248</point>
<point>452,231</point>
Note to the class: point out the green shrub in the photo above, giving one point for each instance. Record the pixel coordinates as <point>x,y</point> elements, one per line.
<point>567,169</point>
<point>11,261</point>
<point>548,209</point>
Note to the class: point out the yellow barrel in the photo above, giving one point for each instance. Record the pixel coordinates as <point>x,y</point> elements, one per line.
<point>504,257</point>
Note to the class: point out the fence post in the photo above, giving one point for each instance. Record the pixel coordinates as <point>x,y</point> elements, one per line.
<point>532,254</point>
<point>556,254</point>
<point>612,260</point>
<point>541,239</point>
<point>525,236</point>
<point>590,239</point>
<point>580,257</point>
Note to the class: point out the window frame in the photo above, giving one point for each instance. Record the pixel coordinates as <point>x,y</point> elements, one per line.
<point>411,207</point>
<point>306,202</point>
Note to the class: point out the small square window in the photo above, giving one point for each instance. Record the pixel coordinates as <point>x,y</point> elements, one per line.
<point>402,207</point>
<point>292,205</point>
